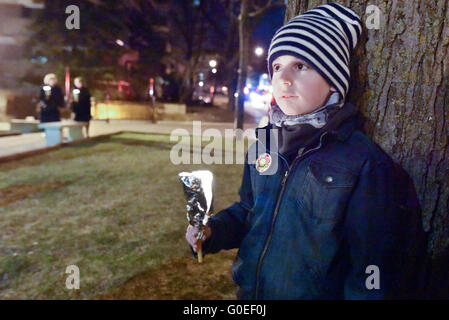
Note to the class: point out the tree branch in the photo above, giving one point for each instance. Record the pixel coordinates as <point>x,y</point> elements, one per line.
<point>211,21</point>
<point>261,11</point>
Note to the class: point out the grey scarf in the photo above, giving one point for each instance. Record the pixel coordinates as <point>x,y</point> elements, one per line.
<point>318,118</point>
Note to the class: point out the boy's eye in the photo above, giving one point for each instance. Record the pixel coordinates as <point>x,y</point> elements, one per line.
<point>299,66</point>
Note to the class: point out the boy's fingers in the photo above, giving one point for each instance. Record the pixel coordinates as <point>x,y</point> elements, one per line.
<point>191,237</point>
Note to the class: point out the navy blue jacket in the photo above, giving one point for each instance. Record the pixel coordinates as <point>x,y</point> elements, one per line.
<point>316,228</point>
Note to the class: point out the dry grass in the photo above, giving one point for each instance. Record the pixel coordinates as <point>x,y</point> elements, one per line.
<point>181,278</point>
<point>114,208</point>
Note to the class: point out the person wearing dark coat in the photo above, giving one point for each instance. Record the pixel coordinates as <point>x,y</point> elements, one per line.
<point>81,102</point>
<point>171,86</point>
<point>51,99</point>
<point>324,213</point>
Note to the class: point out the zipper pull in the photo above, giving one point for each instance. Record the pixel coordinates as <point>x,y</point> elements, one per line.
<point>285,177</point>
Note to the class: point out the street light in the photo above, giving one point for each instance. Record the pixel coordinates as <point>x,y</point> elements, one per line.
<point>120,42</point>
<point>214,70</point>
<point>212,63</point>
<point>259,51</point>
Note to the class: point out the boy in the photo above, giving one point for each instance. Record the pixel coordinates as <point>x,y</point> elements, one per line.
<point>338,219</point>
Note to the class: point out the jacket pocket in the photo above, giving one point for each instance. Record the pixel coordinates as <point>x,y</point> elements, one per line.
<point>326,190</point>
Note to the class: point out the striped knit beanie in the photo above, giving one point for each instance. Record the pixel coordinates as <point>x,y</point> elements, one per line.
<point>323,38</point>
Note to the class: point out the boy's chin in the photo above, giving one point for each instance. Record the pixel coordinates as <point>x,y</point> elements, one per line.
<point>292,111</point>
<point>295,109</point>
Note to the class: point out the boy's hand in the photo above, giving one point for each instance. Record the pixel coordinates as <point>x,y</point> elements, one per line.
<point>191,236</point>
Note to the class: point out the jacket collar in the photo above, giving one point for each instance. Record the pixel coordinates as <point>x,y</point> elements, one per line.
<point>345,122</point>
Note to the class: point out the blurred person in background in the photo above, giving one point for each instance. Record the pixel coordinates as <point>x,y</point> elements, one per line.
<point>51,99</point>
<point>171,85</point>
<point>81,102</point>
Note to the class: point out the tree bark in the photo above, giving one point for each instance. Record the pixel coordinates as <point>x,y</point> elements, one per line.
<point>400,82</point>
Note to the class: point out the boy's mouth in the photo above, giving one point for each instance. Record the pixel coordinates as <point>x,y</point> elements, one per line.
<point>289,97</point>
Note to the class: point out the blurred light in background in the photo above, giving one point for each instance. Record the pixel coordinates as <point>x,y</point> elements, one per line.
<point>259,51</point>
<point>214,70</point>
<point>212,63</point>
<point>151,89</point>
<point>120,42</point>
<point>201,83</point>
<point>264,83</point>
<point>67,81</point>
<point>260,100</point>
<point>40,59</point>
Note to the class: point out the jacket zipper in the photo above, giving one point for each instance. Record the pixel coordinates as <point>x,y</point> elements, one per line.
<point>276,210</point>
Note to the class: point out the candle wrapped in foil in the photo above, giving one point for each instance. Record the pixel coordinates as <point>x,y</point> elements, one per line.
<point>198,191</point>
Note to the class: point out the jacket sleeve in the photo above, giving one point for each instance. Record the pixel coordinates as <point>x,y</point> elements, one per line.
<point>384,236</point>
<point>230,225</point>
<point>42,96</point>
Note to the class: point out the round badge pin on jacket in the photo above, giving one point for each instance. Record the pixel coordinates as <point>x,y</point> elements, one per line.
<point>263,162</point>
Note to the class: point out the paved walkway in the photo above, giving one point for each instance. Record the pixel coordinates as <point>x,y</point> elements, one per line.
<point>34,141</point>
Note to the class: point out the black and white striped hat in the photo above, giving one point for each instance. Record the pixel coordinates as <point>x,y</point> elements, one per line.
<point>323,38</point>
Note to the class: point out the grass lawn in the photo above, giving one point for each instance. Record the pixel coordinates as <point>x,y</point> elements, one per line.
<point>115,208</point>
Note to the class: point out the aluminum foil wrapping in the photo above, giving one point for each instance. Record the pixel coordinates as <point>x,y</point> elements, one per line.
<point>198,191</point>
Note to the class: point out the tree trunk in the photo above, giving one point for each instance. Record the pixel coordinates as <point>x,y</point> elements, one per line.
<point>243,64</point>
<point>400,82</point>
<point>188,84</point>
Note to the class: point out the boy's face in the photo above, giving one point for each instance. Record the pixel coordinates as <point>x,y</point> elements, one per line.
<point>297,87</point>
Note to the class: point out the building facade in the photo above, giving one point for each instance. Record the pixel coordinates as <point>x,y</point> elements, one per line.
<point>15,17</point>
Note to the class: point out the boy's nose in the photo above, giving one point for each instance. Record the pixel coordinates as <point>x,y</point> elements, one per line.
<point>286,82</point>
<point>286,78</point>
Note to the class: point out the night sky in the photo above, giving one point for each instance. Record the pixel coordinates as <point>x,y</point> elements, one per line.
<point>262,35</point>
<point>272,21</point>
